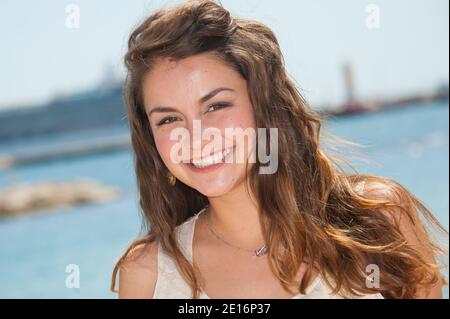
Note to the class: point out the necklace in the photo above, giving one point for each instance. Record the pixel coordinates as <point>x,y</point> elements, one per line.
<point>258,252</point>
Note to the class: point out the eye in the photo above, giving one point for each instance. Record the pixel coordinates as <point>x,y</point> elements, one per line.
<point>218,106</point>
<point>167,120</point>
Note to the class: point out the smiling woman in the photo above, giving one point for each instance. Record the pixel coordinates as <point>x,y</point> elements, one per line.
<point>217,227</point>
<point>223,104</point>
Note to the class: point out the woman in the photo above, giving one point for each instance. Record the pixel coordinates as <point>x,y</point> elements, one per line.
<point>219,227</point>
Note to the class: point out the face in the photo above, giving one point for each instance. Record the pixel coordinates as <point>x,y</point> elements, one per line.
<point>206,100</point>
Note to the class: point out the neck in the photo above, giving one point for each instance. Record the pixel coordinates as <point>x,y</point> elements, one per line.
<point>235,216</point>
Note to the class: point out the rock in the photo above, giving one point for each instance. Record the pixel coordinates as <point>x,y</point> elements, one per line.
<point>19,199</point>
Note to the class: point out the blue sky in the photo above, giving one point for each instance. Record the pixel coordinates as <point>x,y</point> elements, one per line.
<point>41,57</point>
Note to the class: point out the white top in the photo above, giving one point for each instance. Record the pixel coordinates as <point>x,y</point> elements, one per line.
<point>171,285</point>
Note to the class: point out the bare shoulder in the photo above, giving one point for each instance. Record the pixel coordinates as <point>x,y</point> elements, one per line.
<point>138,271</point>
<point>403,211</point>
<point>404,214</point>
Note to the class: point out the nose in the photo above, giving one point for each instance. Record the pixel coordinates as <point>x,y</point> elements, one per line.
<point>196,133</point>
<point>204,138</point>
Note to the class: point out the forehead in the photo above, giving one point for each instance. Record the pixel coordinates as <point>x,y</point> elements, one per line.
<point>187,79</point>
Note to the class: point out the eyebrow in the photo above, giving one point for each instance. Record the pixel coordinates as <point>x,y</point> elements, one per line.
<point>210,95</point>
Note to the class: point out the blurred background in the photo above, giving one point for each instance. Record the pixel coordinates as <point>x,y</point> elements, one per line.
<point>377,70</point>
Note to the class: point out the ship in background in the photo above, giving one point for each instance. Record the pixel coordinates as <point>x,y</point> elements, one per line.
<point>101,107</point>
<point>355,106</point>
<point>87,122</point>
<point>95,121</point>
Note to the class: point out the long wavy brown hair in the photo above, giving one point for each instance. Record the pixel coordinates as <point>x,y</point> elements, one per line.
<point>312,206</point>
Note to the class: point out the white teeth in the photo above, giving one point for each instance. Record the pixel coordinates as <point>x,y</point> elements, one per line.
<point>211,160</point>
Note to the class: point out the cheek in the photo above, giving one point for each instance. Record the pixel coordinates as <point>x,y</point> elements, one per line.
<point>239,118</point>
<point>164,146</point>
<point>242,120</point>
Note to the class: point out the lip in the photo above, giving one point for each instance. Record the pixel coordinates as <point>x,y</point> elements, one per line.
<point>211,167</point>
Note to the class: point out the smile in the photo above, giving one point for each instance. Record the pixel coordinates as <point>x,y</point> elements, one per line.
<point>212,159</point>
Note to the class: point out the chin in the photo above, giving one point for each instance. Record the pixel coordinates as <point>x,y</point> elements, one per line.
<point>214,182</point>
<point>215,189</point>
<point>214,193</point>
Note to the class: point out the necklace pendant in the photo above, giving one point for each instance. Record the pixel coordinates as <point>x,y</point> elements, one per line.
<point>262,251</point>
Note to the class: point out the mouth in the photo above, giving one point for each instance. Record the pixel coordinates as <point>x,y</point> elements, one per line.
<point>212,161</point>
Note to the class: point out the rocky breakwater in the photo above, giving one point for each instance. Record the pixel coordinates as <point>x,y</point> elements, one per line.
<point>18,199</point>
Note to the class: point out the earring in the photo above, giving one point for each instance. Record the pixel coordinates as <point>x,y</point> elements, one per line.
<point>171,179</point>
